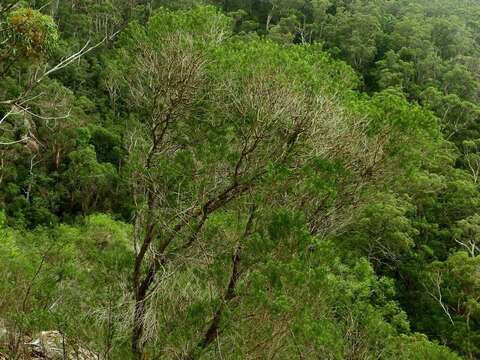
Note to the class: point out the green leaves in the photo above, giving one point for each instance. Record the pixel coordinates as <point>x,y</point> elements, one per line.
<point>363,211</point>
<point>204,22</point>
<point>383,231</point>
<point>30,35</point>
<point>453,285</point>
<point>51,277</point>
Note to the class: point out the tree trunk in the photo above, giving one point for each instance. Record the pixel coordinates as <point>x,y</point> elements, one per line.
<point>137,333</point>
<point>214,329</point>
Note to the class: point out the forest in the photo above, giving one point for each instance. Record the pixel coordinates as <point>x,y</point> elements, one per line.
<point>240,179</point>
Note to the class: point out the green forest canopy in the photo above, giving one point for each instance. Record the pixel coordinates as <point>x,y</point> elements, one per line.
<point>240,179</point>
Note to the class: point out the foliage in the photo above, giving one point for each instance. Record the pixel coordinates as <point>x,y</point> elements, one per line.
<point>241,180</point>
<point>29,34</point>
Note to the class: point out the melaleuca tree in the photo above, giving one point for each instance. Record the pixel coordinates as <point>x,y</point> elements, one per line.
<point>228,127</point>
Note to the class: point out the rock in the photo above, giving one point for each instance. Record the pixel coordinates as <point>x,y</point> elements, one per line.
<point>49,345</point>
<point>52,345</point>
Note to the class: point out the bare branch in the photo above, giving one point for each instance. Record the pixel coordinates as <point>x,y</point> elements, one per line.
<point>437,282</point>
<point>25,139</point>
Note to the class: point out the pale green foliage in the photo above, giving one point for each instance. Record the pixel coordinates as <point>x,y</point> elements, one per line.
<point>60,271</point>
<point>29,34</point>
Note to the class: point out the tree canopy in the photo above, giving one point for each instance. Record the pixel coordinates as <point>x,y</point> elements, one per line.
<point>240,179</point>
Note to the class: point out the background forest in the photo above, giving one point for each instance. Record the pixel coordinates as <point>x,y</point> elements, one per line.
<point>240,179</point>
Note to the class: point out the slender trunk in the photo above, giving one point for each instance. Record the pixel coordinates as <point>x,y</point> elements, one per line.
<point>267,23</point>
<point>137,333</point>
<point>141,285</point>
<point>214,329</point>
<point>141,288</point>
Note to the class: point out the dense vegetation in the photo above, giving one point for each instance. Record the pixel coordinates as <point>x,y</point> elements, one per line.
<point>241,179</point>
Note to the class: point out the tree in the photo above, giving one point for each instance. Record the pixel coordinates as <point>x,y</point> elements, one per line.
<point>355,33</point>
<point>206,134</point>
